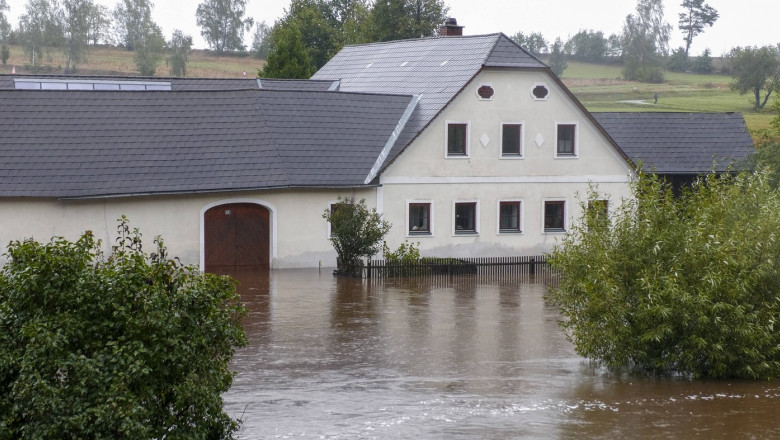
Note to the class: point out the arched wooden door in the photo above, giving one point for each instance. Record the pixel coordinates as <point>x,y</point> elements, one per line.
<point>237,235</point>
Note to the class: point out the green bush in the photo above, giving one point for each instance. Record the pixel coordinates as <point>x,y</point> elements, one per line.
<point>356,232</point>
<point>687,284</point>
<point>125,347</point>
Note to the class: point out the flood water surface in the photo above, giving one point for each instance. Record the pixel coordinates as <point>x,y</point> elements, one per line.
<point>332,358</point>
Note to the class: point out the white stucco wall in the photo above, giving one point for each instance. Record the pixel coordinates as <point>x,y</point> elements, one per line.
<point>425,173</point>
<point>299,234</point>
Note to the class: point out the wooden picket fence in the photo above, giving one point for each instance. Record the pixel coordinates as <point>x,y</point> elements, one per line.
<point>479,268</point>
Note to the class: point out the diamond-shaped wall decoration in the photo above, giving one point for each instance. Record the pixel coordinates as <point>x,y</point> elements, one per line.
<point>485,139</point>
<point>539,140</point>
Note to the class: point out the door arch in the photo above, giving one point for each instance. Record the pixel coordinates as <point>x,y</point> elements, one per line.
<point>237,235</point>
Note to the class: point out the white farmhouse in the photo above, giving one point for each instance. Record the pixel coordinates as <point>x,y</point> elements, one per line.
<point>466,144</point>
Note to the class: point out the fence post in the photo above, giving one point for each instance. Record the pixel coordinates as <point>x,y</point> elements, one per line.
<point>368,269</point>
<point>532,267</point>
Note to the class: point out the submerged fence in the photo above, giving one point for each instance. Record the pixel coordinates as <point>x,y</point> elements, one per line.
<point>481,268</point>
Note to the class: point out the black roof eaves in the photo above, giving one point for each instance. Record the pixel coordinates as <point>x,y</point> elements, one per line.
<point>192,192</point>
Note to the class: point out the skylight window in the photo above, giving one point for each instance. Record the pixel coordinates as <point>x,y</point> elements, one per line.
<point>89,84</point>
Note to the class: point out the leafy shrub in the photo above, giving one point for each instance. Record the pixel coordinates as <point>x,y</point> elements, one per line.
<point>687,284</point>
<point>406,253</point>
<point>356,232</point>
<point>125,347</point>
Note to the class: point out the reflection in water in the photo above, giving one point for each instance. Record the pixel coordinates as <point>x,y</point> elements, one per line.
<point>342,358</point>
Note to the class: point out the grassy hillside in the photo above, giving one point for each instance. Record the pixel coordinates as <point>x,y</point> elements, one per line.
<point>113,61</point>
<point>600,88</point>
<point>597,86</point>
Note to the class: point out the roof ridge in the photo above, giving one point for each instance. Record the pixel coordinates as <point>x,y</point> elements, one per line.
<point>438,37</point>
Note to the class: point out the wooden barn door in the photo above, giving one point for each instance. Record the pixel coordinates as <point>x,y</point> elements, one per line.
<point>237,235</point>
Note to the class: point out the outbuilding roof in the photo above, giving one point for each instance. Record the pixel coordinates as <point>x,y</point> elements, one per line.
<point>680,143</point>
<point>72,144</point>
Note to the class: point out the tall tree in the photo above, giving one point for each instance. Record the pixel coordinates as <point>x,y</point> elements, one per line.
<point>40,28</point>
<point>178,51</point>
<point>697,15</point>
<point>755,69</point>
<point>5,30</point>
<point>289,57</point>
<point>261,41</point>
<point>99,24</point>
<point>148,48</point>
<point>558,58</point>
<point>5,25</point>
<point>401,19</point>
<point>76,30</point>
<point>587,45</point>
<point>223,24</point>
<point>131,19</point>
<point>645,39</point>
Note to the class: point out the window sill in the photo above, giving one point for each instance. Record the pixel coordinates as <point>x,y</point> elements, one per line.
<point>554,231</point>
<point>509,232</point>
<point>467,233</point>
<point>511,156</point>
<point>418,234</point>
<point>456,156</point>
<point>567,156</point>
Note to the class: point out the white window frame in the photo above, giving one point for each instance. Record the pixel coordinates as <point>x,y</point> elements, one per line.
<point>576,140</point>
<point>473,233</point>
<point>565,215</point>
<point>520,219</point>
<point>409,233</point>
<point>522,141</point>
<point>446,140</point>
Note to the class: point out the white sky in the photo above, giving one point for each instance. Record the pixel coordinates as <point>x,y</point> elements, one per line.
<point>741,23</point>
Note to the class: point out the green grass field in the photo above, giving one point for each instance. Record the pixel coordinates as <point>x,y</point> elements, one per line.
<point>597,86</point>
<point>600,89</point>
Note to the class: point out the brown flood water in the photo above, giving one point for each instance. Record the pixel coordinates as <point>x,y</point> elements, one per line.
<point>336,358</point>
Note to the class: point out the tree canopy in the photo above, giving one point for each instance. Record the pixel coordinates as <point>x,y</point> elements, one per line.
<point>289,58</point>
<point>132,21</point>
<point>645,40</point>
<point>40,28</point>
<point>223,24</point>
<point>755,70</point>
<point>356,232</point>
<point>178,51</point>
<point>129,346</point>
<point>677,283</point>
<point>695,17</point>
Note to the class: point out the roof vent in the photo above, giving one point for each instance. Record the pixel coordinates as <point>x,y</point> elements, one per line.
<point>450,28</point>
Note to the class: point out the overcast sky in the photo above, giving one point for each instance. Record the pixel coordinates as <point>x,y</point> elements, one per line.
<point>741,23</point>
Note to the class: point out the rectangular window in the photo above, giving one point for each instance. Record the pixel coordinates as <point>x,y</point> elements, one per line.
<point>419,218</point>
<point>457,137</point>
<point>466,218</point>
<point>554,215</point>
<point>511,135</point>
<point>509,217</point>
<point>566,139</point>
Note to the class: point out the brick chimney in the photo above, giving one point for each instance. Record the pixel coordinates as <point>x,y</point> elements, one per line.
<point>450,28</point>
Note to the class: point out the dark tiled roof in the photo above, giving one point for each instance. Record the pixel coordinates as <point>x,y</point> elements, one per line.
<point>177,84</point>
<point>299,84</point>
<point>680,143</point>
<point>89,144</point>
<point>435,69</point>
